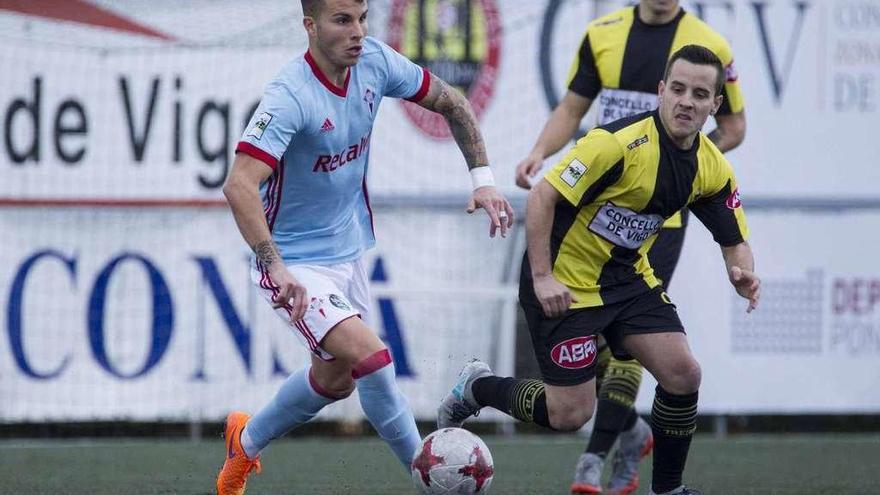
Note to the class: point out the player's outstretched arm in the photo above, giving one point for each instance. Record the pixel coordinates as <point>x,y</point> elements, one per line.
<point>730,132</point>
<point>457,110</point>
<point>741,272</point>
<point>242,190</point>
<point>558,131</point>
<point>555,298</point>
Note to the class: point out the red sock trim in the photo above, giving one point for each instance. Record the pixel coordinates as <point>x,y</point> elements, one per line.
<point>323,392</point>
<point>377,361</point>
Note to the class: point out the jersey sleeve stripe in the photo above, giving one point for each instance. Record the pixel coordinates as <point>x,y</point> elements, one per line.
<point>423,89</point>
<point>254,152</point>
<point>367,202</point>
<point>276,197</point>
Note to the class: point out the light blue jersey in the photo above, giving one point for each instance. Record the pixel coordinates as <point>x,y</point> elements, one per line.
<point>316,136</point>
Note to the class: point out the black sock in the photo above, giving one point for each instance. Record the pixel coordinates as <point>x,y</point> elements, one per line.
<point>524,400</point>
<point>617,394</point>
<point>493,391</point>
<point>673,421</point>
<point>610,418</point>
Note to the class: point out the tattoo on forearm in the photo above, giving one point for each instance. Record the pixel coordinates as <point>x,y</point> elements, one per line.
<point>266,252</point>
<point>463,123</point>
<point>715,136</point>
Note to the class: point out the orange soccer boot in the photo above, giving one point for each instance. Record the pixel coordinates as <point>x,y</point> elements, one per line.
<point>233,476</point>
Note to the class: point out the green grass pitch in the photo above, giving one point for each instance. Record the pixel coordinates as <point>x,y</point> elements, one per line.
<point>527,464</point>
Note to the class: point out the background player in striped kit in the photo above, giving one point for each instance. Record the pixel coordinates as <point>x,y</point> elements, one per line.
<point>619,63</point>
<point>299,195</point>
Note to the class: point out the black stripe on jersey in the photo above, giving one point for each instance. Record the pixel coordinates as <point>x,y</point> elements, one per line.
<point>718,218</point>
<point>618,279</point>
<point>586,80</point>
<point>646,53</point>
<point>619,124</point>
<point>675,175</point>
<point>610,176</point>
<point>563,219</point>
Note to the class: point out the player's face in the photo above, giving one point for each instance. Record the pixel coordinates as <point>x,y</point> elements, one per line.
<point>687,98</point>
<point>339,30</point>
<point>659,8</point>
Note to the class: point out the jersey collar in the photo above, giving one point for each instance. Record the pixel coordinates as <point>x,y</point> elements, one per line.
<point>675,20</point>
<point>666,141</point>
<point>336,90</point>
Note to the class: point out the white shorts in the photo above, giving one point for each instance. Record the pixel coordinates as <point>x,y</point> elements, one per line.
<point>337,292</point>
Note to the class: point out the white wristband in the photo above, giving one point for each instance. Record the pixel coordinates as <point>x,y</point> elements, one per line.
<point>482,176</point>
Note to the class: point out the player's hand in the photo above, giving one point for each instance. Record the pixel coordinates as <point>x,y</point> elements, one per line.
<point>291,294</point>
<point>747,284</point>
<point>496,206</point>
<point>554,297</point>
<point>528,169</point>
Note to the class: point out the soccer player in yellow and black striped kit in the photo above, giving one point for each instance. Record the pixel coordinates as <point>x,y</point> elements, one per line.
<point>590,223</point>
<point>617,68</point>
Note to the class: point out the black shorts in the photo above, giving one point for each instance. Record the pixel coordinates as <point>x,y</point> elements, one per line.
<point>566,346</point>
<point>664,253</point>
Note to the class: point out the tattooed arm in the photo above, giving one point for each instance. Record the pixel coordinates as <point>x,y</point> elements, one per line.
<point>266,252</point>
<point>457,110</point>
<point>242,190</point>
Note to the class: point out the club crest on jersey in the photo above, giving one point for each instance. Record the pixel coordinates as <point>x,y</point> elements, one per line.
<point>733,202</point>
<point>339,302</point>
<point>260,125</point>
<point>459,41</point>
<point>369,98</point>
<point>573,172</point>
<point>575,353</point>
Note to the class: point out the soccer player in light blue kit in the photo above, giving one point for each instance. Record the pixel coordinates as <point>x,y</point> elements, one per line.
<point>299,195</point>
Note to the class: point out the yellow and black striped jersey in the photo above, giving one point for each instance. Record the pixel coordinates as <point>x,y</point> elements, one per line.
<point>621,62</point>
<point>620,182</point>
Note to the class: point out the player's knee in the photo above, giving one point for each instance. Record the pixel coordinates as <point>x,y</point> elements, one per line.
<point>685,377</point>
<point>570,419</point>
<point>570,415</point>
<point>342,389</point>
<point>335,387</point>
<point>696,376</point>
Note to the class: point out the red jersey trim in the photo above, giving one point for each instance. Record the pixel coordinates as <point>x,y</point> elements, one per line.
<point>251,150</point>
<point>369,208</point>
<point>423,89</point>
<point>336,90</point>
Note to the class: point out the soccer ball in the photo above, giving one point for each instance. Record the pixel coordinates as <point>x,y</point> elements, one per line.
<point>452,461</point>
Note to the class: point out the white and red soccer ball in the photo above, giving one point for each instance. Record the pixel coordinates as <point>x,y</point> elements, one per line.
<point>452,461</point>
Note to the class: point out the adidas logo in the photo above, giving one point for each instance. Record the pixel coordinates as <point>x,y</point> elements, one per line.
<point>327,126</point>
